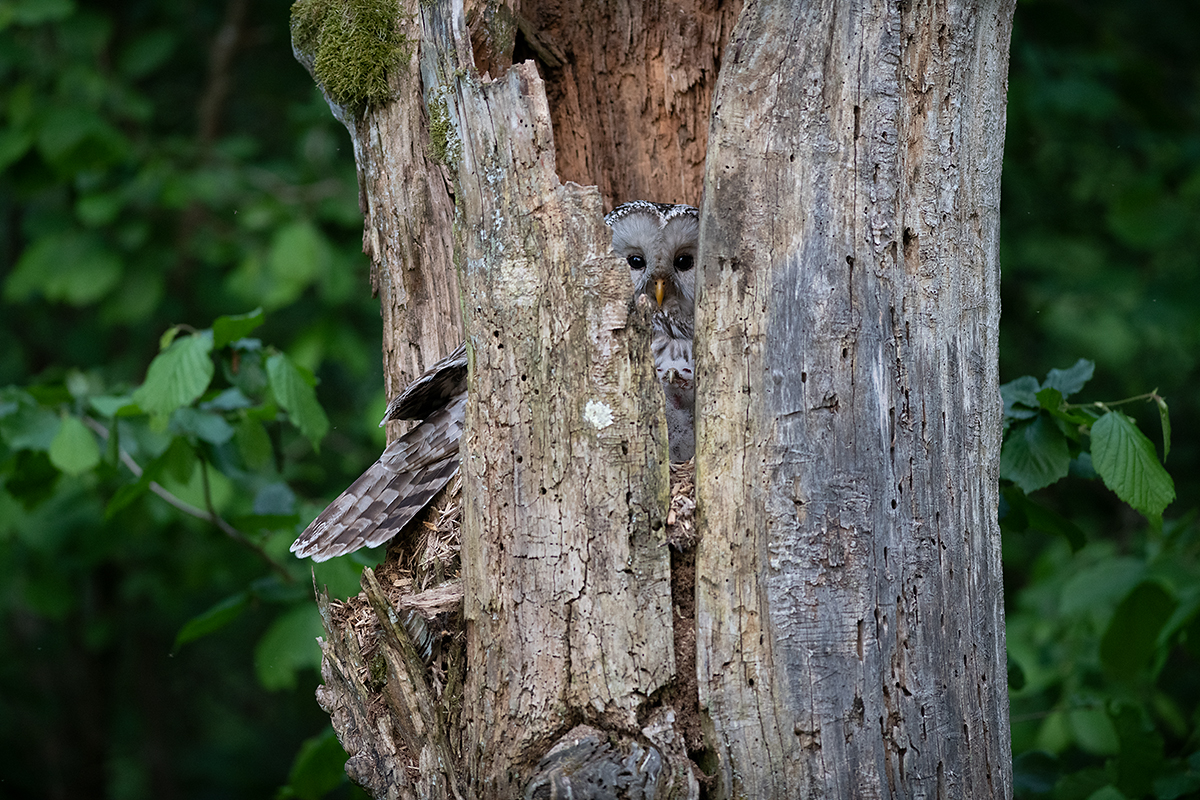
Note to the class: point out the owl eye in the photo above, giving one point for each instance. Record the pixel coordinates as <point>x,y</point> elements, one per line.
<point>636,262</point>
<point>683,263</point>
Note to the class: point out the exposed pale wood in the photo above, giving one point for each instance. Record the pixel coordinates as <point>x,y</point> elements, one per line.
<point>849,606</point>
<point>412,703</point>
<point>848,611</point>
<point>568,592</point>
<point>566,573</point>
<point>377,761</point>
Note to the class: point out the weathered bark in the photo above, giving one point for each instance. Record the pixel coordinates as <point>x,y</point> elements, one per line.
<point>566,571</point>
<point>849,603</point>
<point>408,213</point>
<point>566,576</point>
<point>846,625</point>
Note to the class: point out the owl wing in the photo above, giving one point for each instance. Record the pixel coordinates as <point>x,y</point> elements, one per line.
<point>410,472</point>
<point>432,390</point>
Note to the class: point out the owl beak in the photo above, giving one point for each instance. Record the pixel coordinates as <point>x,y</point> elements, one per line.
<point>660,288</point>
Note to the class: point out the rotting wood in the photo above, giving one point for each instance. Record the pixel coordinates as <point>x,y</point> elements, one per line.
<point>822,663</point>
<point>849,602</point>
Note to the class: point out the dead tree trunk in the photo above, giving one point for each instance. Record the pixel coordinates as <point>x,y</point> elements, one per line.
<point>847,621</point>
<point>849,601</point>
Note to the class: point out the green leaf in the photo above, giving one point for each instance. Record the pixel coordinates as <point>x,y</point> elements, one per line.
<point>1070,381</point>
<point>73,267</point>
<point>289,645</point>
<point>231,328</point>
<point>178,456</point>
<point>204,425</point>
<point>1034,771</point>
<point>178,460</point>
<point>1097,588</point>
<point>273,589</point>
<point>1093,731</point>
<point>297,251</point>
<point>13,145</point>
<point>168,336</point>
<point>294,391</point>
<point>146,53</point>
<point>1164,417</point>
<point>1128,465</point>
<point>1018,393</point>
<point>254,444</point>
<point>231,399</point>
<point>319,768</point>
<point>1034,454</point>
<point>1080,785</point>
<point>177,376</point>
<point>33,478</point>
<point>1016,675</point>
<point>1050,399</point>
<point>74,138</point>
<point>1040,518</point>
<point>112,406</point>
<point>1141,758</point>
<point>127,494</point>
<point>297,256</point>
<point>1185,613</point>
<point>1081,467</point>
<point>24,424</point>
<point>35,12</point>
<point>1176,781</point>
<point>74,449</point>
<point>275,499</point>
<point>266,523</point>
<point>247,372</point>
<point>1129,642</point>
<point>213,619</point>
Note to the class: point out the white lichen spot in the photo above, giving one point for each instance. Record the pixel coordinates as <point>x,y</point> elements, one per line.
<point>598,414</point>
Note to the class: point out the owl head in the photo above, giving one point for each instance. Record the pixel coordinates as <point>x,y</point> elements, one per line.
<point>659,241</point>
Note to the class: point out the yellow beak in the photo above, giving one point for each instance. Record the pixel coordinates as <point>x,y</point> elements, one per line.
<point>660,288</point>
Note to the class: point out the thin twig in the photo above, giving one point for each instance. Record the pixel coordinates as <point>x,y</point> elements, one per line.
<point>209,516</point>
<point>1148,396</point>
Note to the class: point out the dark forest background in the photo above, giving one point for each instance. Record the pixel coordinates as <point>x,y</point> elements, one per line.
<point>168,168</point>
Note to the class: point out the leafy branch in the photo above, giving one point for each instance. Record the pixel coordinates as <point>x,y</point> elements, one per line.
<point>209,515</point>
<point>178,420</point>
<point>1045,435</point>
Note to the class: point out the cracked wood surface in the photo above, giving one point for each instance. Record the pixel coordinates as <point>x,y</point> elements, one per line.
<point>566,575</point>
<point>568,591</point>
<point>849,599</point>
<point>848,608</point>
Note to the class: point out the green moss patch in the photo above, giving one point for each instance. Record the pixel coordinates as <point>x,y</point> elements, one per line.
<point>354,45</point>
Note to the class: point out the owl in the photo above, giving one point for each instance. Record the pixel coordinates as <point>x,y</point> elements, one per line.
<point>410,472</point>
<point>658,242</point>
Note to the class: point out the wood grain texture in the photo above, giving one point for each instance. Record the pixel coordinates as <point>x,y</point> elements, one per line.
<point>406,198</point>
<point>630,100</point>
<point>566,573</point>
<point>849,599</point>
<point>568,593</point>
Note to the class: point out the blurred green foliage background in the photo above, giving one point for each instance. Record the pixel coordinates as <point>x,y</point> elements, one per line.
<point>168,164</point>
<point>1100,255</point>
